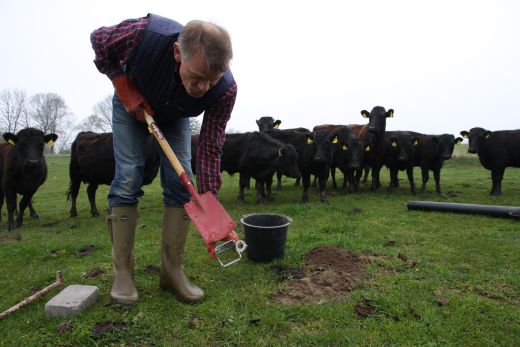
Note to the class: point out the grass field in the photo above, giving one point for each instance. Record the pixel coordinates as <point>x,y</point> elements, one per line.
<point>470,260</point>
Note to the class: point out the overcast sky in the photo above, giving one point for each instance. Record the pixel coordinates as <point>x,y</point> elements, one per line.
<point>443,66</point>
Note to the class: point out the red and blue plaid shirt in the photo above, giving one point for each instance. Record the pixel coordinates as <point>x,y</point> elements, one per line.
<point>115,45</point>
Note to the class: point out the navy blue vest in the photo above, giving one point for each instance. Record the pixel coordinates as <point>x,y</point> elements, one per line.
<point>152,69</point>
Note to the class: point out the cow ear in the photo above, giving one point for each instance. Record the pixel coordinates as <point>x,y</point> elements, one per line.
<point>11,138</point>
<point>257,122</point>
<point>458,140</point>
<point>368,146</point>
<point>487,134</point>
<point>415,141</point>
<point>335,138</point>
<point>310,139</point>
<point>343,145</point>
<point>364,113</point>
<point>393,141</point>
<point>464,134</point>
<point>435,139</point>
<point>390,113</point>
<point>277,124</point>
<point>50,139</point>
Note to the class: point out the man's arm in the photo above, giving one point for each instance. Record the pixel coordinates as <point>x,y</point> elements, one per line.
<point>115,45</point>
<point>211,141</point>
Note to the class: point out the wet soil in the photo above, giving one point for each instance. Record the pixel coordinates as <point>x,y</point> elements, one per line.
<point>330,273</point>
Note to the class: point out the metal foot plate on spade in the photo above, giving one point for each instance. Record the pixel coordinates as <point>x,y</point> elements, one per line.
<point>238,247</point>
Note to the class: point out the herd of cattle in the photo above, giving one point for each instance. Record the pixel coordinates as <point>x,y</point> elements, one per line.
<point>296,153</point>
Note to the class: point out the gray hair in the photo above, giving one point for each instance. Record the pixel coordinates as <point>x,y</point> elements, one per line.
<point>209,39</point>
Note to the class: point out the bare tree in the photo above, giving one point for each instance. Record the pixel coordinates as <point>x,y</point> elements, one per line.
<point>51,115</point>
<point>13,110</point>
<point>101,119</point>
<point>195,126</point>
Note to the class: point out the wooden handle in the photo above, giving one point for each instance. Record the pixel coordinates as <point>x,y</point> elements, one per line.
<point>164,144</point>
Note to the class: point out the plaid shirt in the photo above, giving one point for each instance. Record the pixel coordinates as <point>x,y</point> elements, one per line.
<point>114,46</point>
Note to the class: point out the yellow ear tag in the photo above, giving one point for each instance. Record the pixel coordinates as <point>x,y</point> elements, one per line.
<point>309,141</point>
<point>391,115</point>
<point>11,142</point>
<point>415,143</point>
<point>280,152</point>
<point>50,143</point>
<point>365,115</point>
<point>276,126</point>
<point>487,136</point>
<point>458,142</point>
<point>368,149</point>
<point>465,136</point>
<point>335,140</point>
<point>345,148</point>
<point>394,144</point>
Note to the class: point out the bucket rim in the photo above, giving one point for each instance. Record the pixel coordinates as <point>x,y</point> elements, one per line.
<point>266,214</point>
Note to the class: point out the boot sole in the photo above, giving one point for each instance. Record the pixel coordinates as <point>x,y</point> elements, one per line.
<point>169,289</point>
<point>125,302</point>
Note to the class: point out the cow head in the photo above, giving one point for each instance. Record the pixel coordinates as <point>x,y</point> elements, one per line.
<point>322,141</point>
<point>477,138</point>
<point>445,145</point>
<point>355,148</point>
<point>266,124</point>
<point>402,146</point>
<point>29,143</point>
<point>289,161</point>
<point>377,119</point>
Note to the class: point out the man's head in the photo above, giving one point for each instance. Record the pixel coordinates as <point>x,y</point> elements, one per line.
<point>204,51</point>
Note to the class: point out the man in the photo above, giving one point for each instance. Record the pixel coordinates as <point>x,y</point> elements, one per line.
<point>173,72</point>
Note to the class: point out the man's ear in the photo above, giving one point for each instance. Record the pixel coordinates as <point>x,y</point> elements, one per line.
<point>176,52</point>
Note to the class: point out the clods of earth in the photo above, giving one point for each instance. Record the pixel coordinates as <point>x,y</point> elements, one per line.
<point>330,273</point>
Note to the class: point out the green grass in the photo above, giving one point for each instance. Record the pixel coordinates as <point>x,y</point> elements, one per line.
<point>473,260</point>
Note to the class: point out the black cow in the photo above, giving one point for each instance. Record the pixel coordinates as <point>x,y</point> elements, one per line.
<point>430,154</point>
<point>257,155</point>
<point>22,171</point>
<point>399,154</point>
<point>496,150</point>
<point>314,155</point>
<point>267,124</point>
<point>347,154</point>
<point>92,162</point>
<point>373,132</point>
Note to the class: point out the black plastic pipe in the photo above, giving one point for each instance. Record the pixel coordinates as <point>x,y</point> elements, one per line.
<point>490,210</point>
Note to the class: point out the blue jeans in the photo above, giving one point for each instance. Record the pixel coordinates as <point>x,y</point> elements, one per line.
<point>129,152</point>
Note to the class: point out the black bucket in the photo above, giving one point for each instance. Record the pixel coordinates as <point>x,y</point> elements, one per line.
<point>266,234</point>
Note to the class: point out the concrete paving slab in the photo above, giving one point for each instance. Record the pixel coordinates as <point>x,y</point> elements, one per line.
<point>72,301</point>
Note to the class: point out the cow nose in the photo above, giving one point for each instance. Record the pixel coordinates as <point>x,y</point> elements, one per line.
<point>318,158</point>
<point>372,129</point>
<point>472,150</point>
<point>355,167</point>
<point>401,158</point>
<point>33,162</point>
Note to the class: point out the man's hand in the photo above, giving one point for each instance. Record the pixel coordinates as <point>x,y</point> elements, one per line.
<point>211,246</point>
<point>132,98</point>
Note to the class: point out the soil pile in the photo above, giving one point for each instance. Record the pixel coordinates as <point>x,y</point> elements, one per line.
<point>330,273</point>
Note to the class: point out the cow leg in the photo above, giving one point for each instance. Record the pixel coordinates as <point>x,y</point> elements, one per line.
<point>353,188</point>
<point>333,175</point>
<point>73,192</point>
<point>497,175</point>
<point>91,191</point>
<point>279,175</point>
<point>243,182</point>
<point>357,177</point>
<point>259,190</point>
<point>1,201</point>
<point>297,182</point>
<point>10,202</point>
<point>268,185</point>
<point>375,179</point>
<point>248,185</point>
<point>425,178</point>
<point>367,171</point>
<point>24,202</point>
<point>409,172</point>
<point>306,180</point>
<point>314,182</point>
<point>32,211</point>
<point>393,180</point>
<point>437,177</point>
<point>323,195</point>
<point>344,185</point>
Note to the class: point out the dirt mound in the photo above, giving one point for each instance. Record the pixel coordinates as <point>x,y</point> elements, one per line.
<point>330,273</point>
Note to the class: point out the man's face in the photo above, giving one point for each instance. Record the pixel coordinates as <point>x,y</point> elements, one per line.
<point>194,73</point>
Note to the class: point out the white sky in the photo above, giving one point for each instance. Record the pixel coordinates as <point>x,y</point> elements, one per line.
<point>443,66</point>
